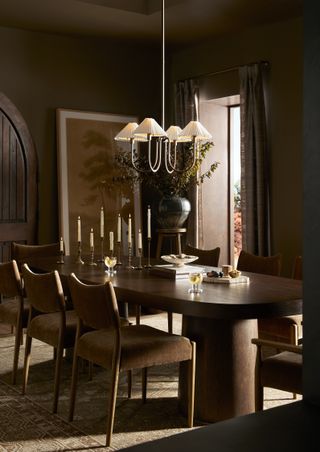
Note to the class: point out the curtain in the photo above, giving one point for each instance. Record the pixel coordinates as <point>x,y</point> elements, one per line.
<point>255,204</point>
<point>186,109</point>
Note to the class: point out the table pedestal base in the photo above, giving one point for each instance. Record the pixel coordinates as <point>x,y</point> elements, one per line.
<point>224,370</point>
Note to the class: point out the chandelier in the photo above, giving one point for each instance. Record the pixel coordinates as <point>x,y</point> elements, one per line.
<point>162,146</point>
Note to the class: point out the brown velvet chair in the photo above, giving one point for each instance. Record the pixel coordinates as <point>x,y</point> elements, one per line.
<point>13,309</point>
<point>206,257</point>
<point>21,252</point>
<point>281,371</point>
<point>49,321</point>
<point>121,348</point>
<point>281,329</point>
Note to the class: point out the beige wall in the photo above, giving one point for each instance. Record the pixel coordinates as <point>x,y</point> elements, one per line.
<point>281,45</point>
<point>41,72</point>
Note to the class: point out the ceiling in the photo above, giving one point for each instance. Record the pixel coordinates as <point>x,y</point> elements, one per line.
<point>186,20</point>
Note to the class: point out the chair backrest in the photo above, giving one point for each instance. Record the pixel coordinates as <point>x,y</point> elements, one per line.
<point>297,268</point>
<point>95,305</point>
<point>10,280</point>
<point>206,257</point>
<point>44,291</point>
<point>21,252</point>
<point>270,265</point>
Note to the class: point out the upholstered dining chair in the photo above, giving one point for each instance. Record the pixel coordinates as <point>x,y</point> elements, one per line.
<point>13,309</point>
<point>20,252</point>
<point>49,321</point>
<point>121,348</point>
<point>282,371</point>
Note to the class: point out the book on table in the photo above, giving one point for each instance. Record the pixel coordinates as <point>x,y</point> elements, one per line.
<point>174,272</point>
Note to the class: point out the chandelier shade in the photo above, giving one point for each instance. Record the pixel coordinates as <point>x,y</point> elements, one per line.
<point>149,127</point>
<point>194,130</point>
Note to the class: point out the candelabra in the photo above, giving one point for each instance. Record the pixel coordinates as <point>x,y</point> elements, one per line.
<point>129,266</point>
<point>92,262</point>
<point>119,253</point>
<point>60,260</point>
<point>79,259</point>
<point>139,267</point>
<point>149,251</point>
<point>102,250</point>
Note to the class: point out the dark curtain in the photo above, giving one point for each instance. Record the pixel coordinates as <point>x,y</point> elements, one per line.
<point>186,110</point>
<point>255,203</point>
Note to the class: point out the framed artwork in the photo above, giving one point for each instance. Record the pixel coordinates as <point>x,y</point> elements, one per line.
<point>86,152</point>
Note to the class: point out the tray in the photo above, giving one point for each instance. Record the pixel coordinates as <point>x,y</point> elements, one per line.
<point>226,280</point>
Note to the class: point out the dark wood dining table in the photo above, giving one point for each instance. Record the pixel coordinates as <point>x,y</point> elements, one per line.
<point>222,320</point>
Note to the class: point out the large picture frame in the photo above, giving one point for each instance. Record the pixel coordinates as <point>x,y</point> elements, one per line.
<point>85,155</point>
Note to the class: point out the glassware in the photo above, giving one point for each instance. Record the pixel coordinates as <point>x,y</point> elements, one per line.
<point>110,262</point>
<point>195,278</point>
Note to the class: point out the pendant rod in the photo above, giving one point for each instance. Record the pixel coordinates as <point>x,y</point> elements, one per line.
<point>163,64</point>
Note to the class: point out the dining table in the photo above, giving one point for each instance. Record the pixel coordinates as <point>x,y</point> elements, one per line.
<point>222,320</point>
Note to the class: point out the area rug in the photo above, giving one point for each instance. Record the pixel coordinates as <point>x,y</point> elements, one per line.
<point>26,422</point>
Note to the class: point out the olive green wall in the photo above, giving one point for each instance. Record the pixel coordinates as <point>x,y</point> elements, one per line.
<point>281,45</point>
<point>41,72</point>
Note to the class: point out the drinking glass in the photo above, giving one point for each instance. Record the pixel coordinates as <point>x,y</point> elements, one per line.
<point>110,262</point>
<point>195,278</point>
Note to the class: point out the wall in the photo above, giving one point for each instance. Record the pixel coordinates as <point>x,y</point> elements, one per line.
<point>41,72</point>
<point>281,45</point>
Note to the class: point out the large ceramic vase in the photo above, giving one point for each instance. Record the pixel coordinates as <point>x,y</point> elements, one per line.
<point>173,212</point>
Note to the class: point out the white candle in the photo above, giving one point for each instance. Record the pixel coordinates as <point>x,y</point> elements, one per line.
<point>149,222</point>
<point>119,228</point>
<point>101,223</point>
<point>79,229</point>
<point>111,240</point>
<point>61,245</point>
<point>140,240</point>
<point>129,231</point>
<point>91,238</point>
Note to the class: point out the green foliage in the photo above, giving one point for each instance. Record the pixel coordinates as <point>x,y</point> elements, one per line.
<point>176,183</point>
<point>237,195</point>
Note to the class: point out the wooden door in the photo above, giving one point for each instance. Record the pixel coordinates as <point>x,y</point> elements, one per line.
<point>18,180</point>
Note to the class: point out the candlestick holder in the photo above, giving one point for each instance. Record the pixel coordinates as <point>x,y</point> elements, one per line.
<point>60,260</point>
<point>129,266</point>
<point>139,267</point>
<point>148,265</point>
<point>102,250</point>
<point>79,259</point>
<point>92,262</point>
<point>119,253</point>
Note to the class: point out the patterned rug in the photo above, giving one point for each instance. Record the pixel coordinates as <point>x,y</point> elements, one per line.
<point>27,424</point>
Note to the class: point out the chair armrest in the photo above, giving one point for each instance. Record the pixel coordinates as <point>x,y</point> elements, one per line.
<point>282,346</point>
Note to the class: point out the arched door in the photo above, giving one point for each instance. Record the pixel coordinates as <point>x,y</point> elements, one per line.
<point>18,180</point>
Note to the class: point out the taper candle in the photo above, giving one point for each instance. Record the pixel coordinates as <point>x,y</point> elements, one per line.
<point>102,223</point>
<point>79,229</point>
<point>149,222</point>
<point>140,240</point>
<point>129,230</point>
<point>91,238</point>
<point>111,240</point>
<point>61,244</point>
<point>119,228</point>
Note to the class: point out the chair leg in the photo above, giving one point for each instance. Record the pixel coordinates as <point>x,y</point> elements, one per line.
<point>170,322</point>
<point>257,385</point>
<point>17,343</point>
<point>26,363</point>
<point>129,380</point>
<point>57,378</point>
<point>144,384</point>
<point>74,381</point>
<point>112,402</point>
<point>191,385</point>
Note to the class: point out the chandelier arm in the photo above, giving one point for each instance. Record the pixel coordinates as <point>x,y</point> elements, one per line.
<point>154,167</point>
<point>192,163</point>
<point>133,161</point>
<point>167,160</point>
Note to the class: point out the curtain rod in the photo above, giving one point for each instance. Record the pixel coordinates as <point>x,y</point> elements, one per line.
<point>222,71</point>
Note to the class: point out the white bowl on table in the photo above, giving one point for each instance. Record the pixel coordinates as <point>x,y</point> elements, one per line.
<point>179,260</point>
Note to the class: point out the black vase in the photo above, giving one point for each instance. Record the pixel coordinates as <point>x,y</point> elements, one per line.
<point>173,212</point>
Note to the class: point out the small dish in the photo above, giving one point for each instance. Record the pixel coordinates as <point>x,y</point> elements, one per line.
<point>235,273</point>
<point>179,260</point>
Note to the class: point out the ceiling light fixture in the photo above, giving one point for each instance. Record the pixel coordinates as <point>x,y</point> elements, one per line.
<point>160,141</point>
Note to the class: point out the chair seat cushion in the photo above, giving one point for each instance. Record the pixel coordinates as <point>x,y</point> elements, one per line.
<point>45,327</point>
<point>9,311</point>
<point>283,371</point>
<point>141,346</point>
